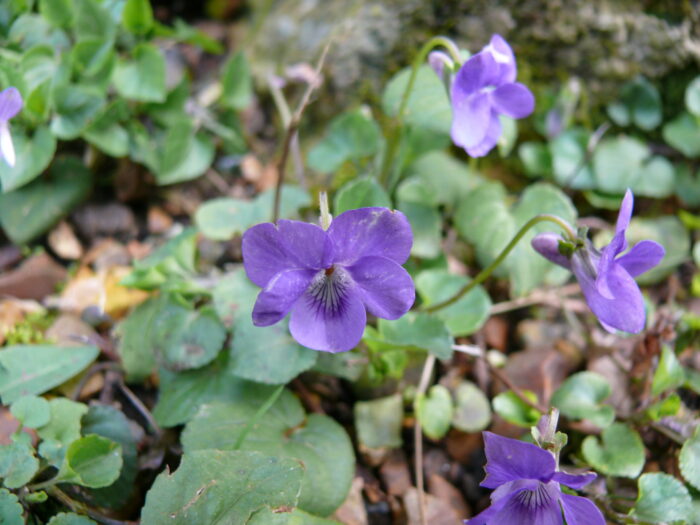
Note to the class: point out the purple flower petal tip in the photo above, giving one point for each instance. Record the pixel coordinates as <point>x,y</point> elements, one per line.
<point>10,104</point>
<point>607,276</point>
<point>485,88</point>
<point>328,280</point>
<point>527,487</point>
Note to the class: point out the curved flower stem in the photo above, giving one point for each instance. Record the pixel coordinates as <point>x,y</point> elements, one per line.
<point>395,129</point>
<point>291,132</point>
<point>418,435</point>
<point>256,417</point>
<point>486,272</point>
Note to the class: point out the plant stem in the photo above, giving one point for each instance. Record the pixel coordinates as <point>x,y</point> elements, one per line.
<point>291,132</point>
<point>256,417</point>
<point>486,272</point>
<point>394,132</point>
<point>79,507</point>
<point>418,435</point>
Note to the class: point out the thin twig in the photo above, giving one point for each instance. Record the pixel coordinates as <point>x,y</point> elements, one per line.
<point>78,507</point>
<point>291,130</point>
<point>94,369</point>
<point>418,435</point>
<point>503,378</point>
<point>550,298</point>
<point>138,405</point>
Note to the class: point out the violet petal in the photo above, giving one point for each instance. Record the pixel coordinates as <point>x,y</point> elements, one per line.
<point>471,117</point>
<point>7,149</point>
<point>511,460</point>
<point>540,506</point>
<point>387,289</point>
<point>504,58</point>
<point>476,73</point>
<point>574,481</point>
<point>547,245</point>
<point>268,250</point>
<point>329,316</point>
<point>625,214</point>
<point>581,511</point>
<point>606,262</point>
<point>513,100</point>
<point>280,294</point>
<point>10,103</point>
<point>642,257</point>
<point>625,311</point>
<point>370,231</point>
<point>493,132</point>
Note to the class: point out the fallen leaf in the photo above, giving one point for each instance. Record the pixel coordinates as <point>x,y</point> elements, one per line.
<point>352,511</point>
<point>444,491</point>
<point>395,473</point>
<point>158,220</point>
<point>64,243</point>
<point>436,511</point>
<point>35,278</point>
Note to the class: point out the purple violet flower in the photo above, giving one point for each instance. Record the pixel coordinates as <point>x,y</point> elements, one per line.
<point>10,104</point>
<point>607,281</point>
<point>327,279</point>
<point>483,89</point>
<point>527,488</point>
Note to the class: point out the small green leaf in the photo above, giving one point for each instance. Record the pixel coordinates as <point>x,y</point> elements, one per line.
<point>621,452</point>
<point>30,211</point>
<point>70,518</point>
<point>570,165</point>
<point>181,394</point>
<point>446,178</point>
<point>33,156</point>
<point>428,105</point>
<point>514,410</point>
<point>692,97</point>
<point>689,459</point>
<point>435,411</point>
<point>263,354</point>
<point>640,103</point>
<point>222,218</point>
<point>464,317</point>
<point>664,408</point>
<point>142,78</point>
<point>351,136</point>
<point>472,411</point>
<point>57,12</point>
<point>110,423</point>
<point>581,396</point>
<point>35,369</point>
<point>509,135</point>
<point>10,509</point>
<point>31,411</point>
<point>683,133</point>
<point>17,464</point>
<point>426,223</point>
<point>669,374</point>
<point>76,106</point>
<point>237,82</point>
<point>618,162</point>
<point>92,20</point>
<point>662,499</point>
<point>185,154</point>
<point>363,192</point>
<point>137,16</point>
<point>536,159</point>
<point>224,486</point>
<point>418,330</point>
<point>267,516</point>
<point>284,431</point>
<point>91,461</point>
<point>62,430</point>
<point>378,422</point>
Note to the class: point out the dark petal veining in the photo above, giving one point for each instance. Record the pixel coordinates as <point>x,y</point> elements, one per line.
<point>330,315</point>
<point>512,460</point>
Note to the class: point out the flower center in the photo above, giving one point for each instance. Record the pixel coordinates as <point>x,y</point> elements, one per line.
<point>535,498</point>
<point>327,289</point>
